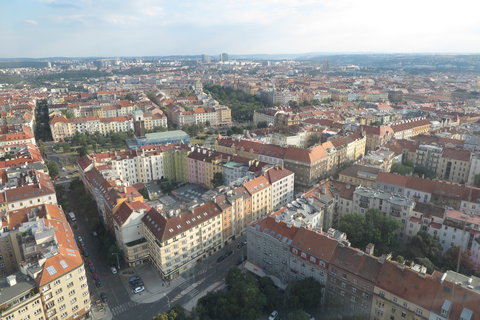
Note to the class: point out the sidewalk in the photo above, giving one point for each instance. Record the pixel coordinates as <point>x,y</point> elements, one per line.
<point>155,287</point>
<point>101,313</point>
<point>213,287</point>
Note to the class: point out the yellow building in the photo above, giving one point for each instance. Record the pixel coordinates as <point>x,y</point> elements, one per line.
<point>177,242</point>
<point>261,192</point>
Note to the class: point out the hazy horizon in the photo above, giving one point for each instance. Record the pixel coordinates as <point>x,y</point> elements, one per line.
<point>143,28</point>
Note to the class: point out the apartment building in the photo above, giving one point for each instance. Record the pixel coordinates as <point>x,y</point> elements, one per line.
<point>359,175</point>
<point>260,190</point>
<point>128,233</point>
<point>309,165</point>
<point>52,282</point>
<point>177,241</point>
<point>456,196</point>
<point>22,189</point>
<point>282,182</point>
<point>359,283</point>
<point>13,135</point>
<point>397,207</point>
<point>63,127</point>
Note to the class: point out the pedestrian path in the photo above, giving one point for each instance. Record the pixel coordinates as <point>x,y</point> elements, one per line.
<point>123,307</point>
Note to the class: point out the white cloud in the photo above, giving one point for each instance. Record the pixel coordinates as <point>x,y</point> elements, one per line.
<point>29,21</point>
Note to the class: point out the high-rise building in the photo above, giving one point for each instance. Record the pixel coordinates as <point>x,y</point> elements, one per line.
<point>206,59</point>
<point>224,57</point>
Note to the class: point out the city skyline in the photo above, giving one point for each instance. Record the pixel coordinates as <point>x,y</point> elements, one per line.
<point>47,28</point>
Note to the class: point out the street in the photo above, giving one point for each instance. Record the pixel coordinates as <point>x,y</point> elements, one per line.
<point>122,303</point>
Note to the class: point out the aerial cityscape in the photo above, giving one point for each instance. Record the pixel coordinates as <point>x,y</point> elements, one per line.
<point>284,160</point>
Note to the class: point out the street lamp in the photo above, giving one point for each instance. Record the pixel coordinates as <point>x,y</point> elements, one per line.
<point>118,261</point>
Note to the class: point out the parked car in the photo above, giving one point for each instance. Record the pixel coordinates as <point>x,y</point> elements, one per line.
<point>114,270</point>
<point>103,296</point>
<point>98,283</point>
<point>95,276</point>
<point>228,253</point>
<point>92,268</point>
<point>80,239</point>
<point>85,253</point>
<point>133,279</point>
<point>273,315</point>
<point>138,283</point>
<point>90,262</point>
<point>221,258</point>
<point>138,289</point>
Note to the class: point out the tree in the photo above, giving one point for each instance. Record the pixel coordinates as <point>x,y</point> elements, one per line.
<point>68,113</point>
<point>374,227</point>
<point>217,179</point>
<point>293,104</point>
<point>129,96</point>
<point>82,152</point>
<point>401,169</point>
<point>312,140</point>
<point>424,172</point>
<point>262,125</point>
<point>144,193</point>
<point>66,147</point>
<point>297,315</point>
<point>304,294</point>
<point>171,315</point>
<point>53,169</point>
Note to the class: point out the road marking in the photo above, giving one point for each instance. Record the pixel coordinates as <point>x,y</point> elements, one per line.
<point>123,307</point>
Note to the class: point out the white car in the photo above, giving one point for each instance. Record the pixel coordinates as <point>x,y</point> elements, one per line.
<point>114,270</point>
<point>138,289</point>
<point>273,315</point>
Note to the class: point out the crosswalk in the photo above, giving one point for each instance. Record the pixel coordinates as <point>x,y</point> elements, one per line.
<point>123,307</point>
<point>192,293</point>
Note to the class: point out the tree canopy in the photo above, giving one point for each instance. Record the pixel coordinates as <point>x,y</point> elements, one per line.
<point>374,227</point>
<point>217,179</point>
<point>53,169</point>
<point>242,104</point>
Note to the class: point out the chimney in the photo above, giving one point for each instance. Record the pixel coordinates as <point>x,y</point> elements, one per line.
<point>11,280</point>
<point>370,249</point>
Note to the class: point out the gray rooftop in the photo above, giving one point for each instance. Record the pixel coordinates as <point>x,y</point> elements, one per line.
<point>22,287</point>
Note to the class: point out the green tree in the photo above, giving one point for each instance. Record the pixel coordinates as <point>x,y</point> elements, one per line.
<point>304,294</point>
<point>53,169</point>
<point>262,124</point>
<point>82,152</point>
<point>129,96</point>
<point>144,193</point>
<point>68,113</point>
<point>374,227</point>
<point>312,140</point>
<point>297,315</point>
<point>66,147</point>
<point>401,169</point>
<point>217,179</point>
<point>424,172</point>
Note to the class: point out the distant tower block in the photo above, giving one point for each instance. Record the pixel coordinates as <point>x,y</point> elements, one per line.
<point>138,124</point>
<point>224,57</point>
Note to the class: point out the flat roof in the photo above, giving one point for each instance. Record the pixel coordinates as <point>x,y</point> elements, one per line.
<point>165,135</point>
<point>23,286</point>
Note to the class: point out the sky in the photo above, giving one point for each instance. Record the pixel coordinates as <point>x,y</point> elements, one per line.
<point>78,28</point>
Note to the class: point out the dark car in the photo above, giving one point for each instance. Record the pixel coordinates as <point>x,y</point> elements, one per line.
<point>103,296</point>
<point>228,253</point>
<point>95,276</point>
<point>98,283</point>
<point>92,268</point>
<point>85,253</point>
<point>138,283</point>
<point>221,258</point>
<point>133,279</point>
